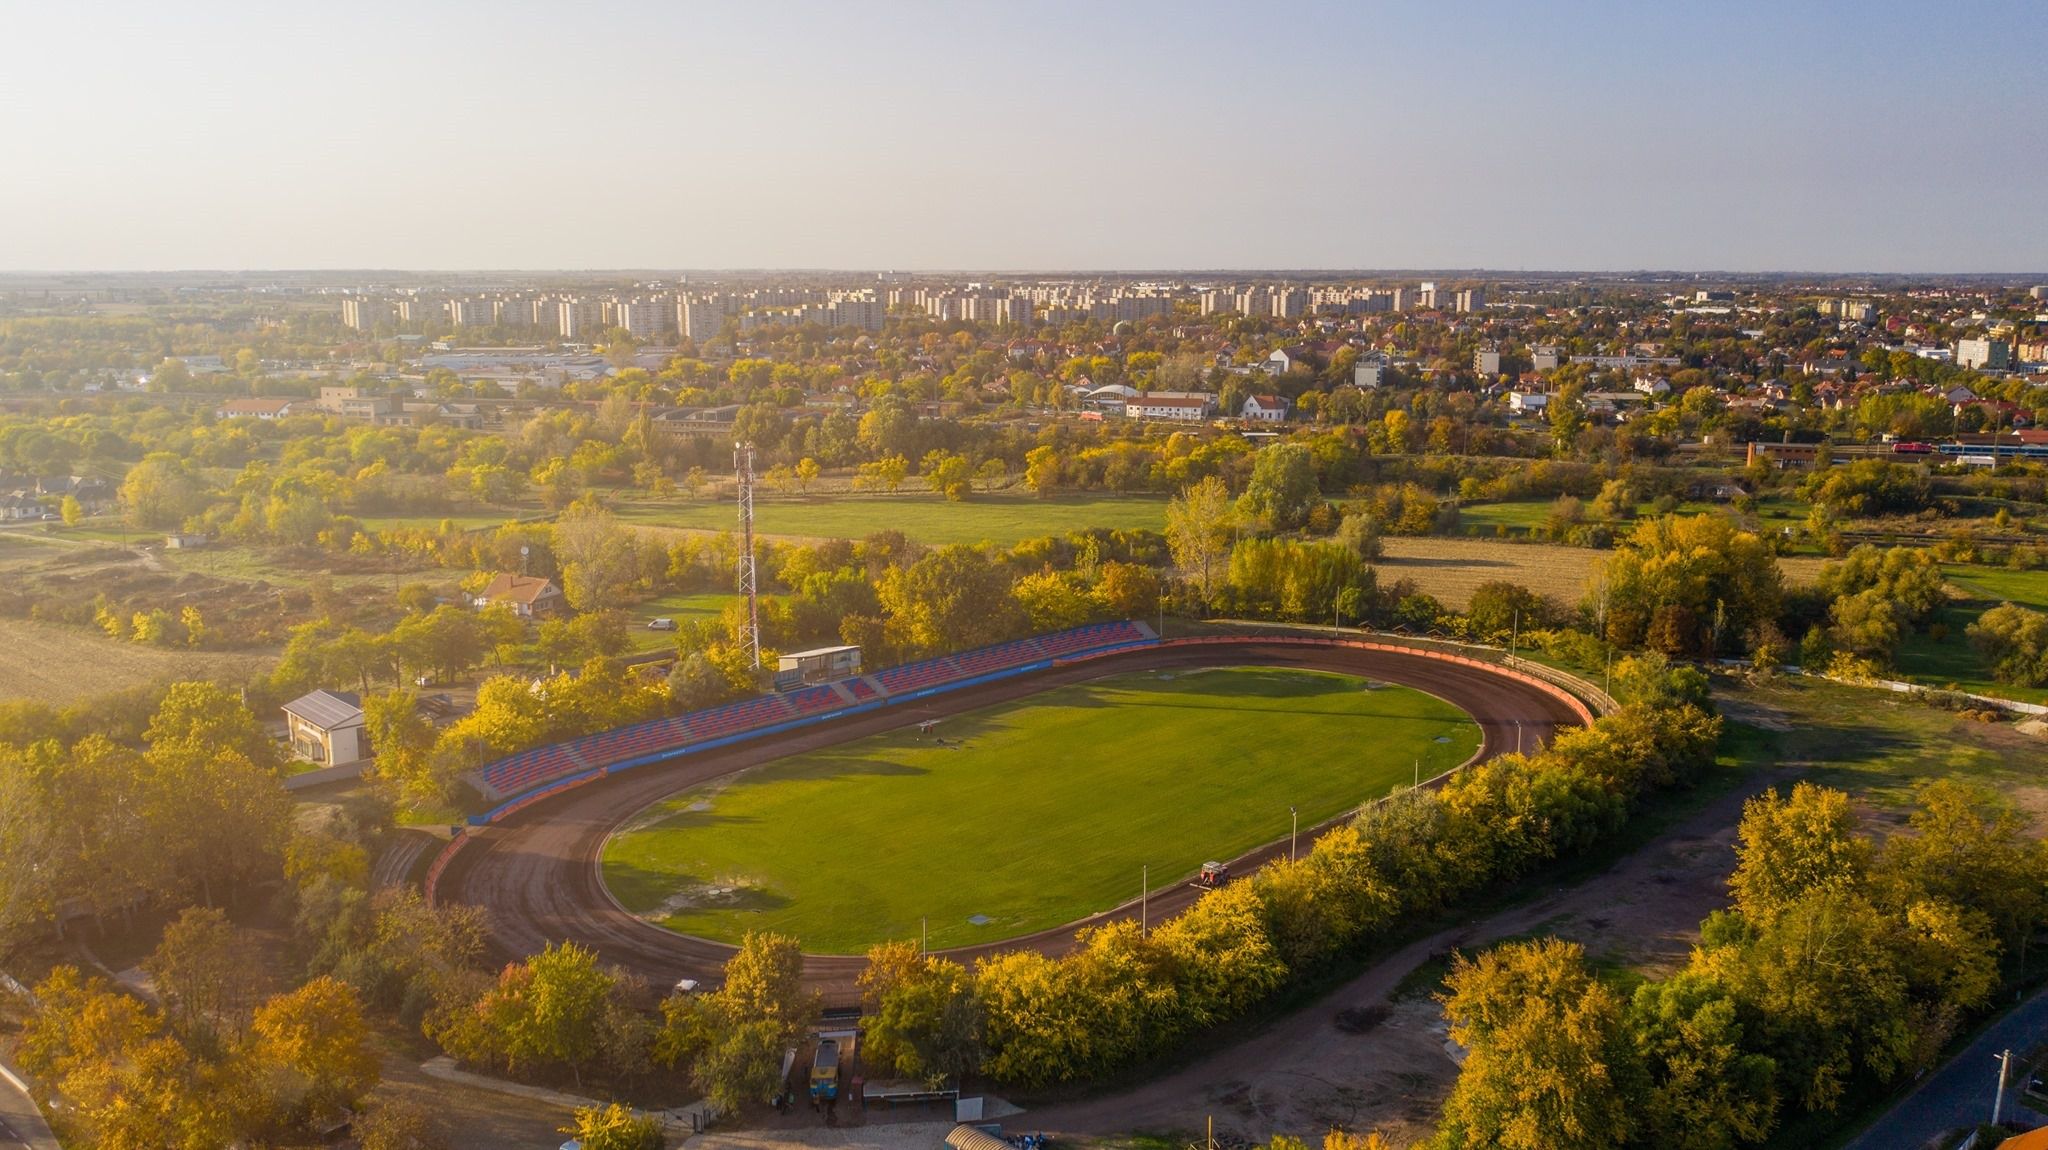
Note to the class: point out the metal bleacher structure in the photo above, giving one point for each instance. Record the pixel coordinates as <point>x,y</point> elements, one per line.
<point>516,780</point>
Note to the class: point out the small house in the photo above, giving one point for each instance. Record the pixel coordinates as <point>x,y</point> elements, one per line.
<point>529,596</point>
<point>186,540</point>
<point>1266,408</point>
<point>326,727</point>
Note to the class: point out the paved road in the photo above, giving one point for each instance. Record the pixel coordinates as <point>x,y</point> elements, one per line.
<point>538,874</point>
<point>1960,1093</point>
<point>21,1124</point>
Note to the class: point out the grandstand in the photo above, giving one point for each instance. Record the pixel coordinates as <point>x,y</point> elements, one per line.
<point>657,739</point>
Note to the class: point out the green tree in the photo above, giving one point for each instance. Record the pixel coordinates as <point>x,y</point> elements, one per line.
<point>201,970</point>
<point>733,1039</point>
<point>1707,1091</point>
<point>951,598</point>
<point>1687,585</point>
<point>2014,640</point>
<point>390,1123</point>
<point>1282,489</point>
<point>1791,845</point>
<point>614,1127</point>
<point>309,1052</point>
<point>161,491</point>
<point>924,1020</point>
<point>1548,1064</point>
<point>1200,526</point>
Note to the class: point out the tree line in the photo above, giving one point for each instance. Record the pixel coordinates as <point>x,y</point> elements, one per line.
<point>1842,965</point>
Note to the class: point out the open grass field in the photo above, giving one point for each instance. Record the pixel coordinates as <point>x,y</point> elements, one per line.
<point>1878,745</point>
<point>1951,660</point>
<point>680,606</point>
<point>1025,815</point>
<point>53,664</point>
<point>1003,519</point>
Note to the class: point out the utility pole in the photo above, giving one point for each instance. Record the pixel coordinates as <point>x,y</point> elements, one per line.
<point>923,935</point>
<point>1144,899</point>
<point>1294,832</point>
<point>1998,1102</point>
<point>1515,633</point>
<point>1418,772</point>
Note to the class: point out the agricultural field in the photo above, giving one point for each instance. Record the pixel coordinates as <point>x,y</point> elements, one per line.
<point>1037,813</point>
<point>56,664</point>
<point>1003,519</point>
<point>1451,569</point>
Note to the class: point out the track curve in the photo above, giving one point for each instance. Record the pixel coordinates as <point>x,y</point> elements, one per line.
<point>538,875</point>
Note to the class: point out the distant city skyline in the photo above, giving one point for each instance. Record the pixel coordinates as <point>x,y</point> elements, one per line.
<point>1739,138</point>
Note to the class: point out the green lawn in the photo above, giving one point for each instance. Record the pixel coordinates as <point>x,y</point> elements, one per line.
<point>1950,660</point>
<point>680,606</point>
<point>1032,814</point>
<point>467,520</point>
<point>1875,744</point>
<point>1004,519</point>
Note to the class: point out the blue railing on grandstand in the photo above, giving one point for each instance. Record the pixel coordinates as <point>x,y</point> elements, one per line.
<point>657,739</point>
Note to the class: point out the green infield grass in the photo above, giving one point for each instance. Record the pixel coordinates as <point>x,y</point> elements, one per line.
<point>1026,815</point>
<point>1003,519</point>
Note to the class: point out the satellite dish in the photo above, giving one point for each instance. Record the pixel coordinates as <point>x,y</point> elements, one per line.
<point>524,550</point>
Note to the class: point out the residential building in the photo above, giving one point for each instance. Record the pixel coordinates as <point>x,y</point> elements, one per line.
<point>1368,370</point>
<point>1290,303</point>
<point>254,408</point>
<point>1179,407</point>
<point>1486,361</point>
<point>477,311</point>
<point>700,317</point>
<point>1266,409</point>
<point>1545,358</point>
<point>529,596</point>
<point>645,318</point>
<point>577,318</point>
<point>1471,300</point>
<point>364,314</point>
<point>1528,402</point>
<point>327,727</point>
<point>1984,354</point>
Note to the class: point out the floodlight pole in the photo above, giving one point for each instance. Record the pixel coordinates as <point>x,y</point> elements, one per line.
<point>743,470</point>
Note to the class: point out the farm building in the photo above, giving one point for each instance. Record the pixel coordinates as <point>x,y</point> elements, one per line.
<point>327,727</point>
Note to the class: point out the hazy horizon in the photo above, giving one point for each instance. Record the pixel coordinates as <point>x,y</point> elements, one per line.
<point>1607,138</point>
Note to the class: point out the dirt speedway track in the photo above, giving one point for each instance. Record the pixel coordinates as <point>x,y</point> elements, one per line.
<point>537,873</point>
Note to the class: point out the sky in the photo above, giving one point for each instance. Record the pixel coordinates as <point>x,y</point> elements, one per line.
<point>447,134</point>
